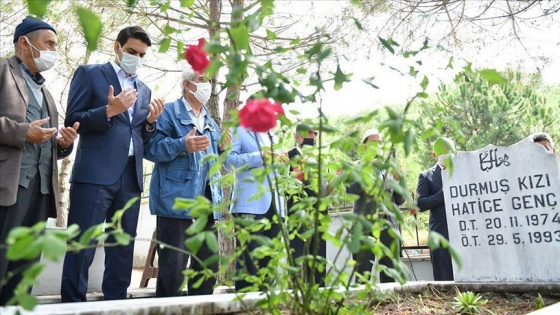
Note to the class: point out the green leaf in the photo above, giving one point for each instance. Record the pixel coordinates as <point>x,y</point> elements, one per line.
<point>450,63</point>
<point>424,83</point>
<point>38,7</point>
<point>358,24</point>
<point>388,43</point>
<point>24,247</point>
<point>193,243</point>
<point>369,81</point>
<point>164,45</point>
<point>28,302</point>
<point>130,203</point>
<point>212,242</point>
<point>187,3</point>
<point>357,233</point>
<point>131,3</point>
<point>270,34</point>
<point>198,226</point>
<point>492,76</point>
<point>443,146</point>
<point>180,50</point>
<point>240,36</point>
<point>314,50</point>
<point>168,29</point>
<point>267,8</point>
<point>413,72</point>
<point>53,247</point>
<point>34,270</point>
<point>122,238</point>
<point>408,141</point>
<point>184,203</point>
<point>91,25</point>
<point>340,77</point>
<point>164,7</point>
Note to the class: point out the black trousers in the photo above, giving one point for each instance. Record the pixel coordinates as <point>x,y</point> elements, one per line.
<point>91,205</point>
<point>171,263</point>
<point>30,208</point>
<point>441,265</point>
<point>365,257</point>
<point>244,265</point>
<point>298,246</point>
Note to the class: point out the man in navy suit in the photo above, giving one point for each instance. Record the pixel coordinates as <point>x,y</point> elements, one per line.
<point>116,119</point>
<point>430,197</point>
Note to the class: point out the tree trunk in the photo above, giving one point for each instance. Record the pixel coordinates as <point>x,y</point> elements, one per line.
<point>227,245</point>
<point>214,32</point>
<point>62,215</point>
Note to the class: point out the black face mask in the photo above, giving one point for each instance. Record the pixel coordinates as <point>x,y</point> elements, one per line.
<point>308,141</point>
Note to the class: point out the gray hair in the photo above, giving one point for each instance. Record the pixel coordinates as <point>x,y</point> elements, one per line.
<point>187,75</point>
<point>542,136</point>
<point>31,36</point>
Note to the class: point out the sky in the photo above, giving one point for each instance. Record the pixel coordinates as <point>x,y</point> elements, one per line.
<point>540,50</point>
<point>363,59</point>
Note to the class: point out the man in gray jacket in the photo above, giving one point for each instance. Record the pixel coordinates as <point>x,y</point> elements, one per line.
<point>28,146</point>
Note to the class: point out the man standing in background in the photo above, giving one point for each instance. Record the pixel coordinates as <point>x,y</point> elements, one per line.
<point>117,118</point>
<point>304,137</point>
<point>28,147</point>
<point>430,197</point>
<point>367,206</point>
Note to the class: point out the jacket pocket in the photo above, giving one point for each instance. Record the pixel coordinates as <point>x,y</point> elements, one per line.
<point>179,176</point>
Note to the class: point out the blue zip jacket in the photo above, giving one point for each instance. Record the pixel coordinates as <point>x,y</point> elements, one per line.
<point>178,173</point>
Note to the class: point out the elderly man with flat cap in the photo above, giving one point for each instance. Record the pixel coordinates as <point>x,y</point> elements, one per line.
<point>29,147</point>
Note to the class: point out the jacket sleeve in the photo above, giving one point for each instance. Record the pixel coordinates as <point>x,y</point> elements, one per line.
<point>398,198</point>
<point>62,153</point>
<point>13,133</point>
<point>80,109</point>
<point>427,201</point>
<point>236,158</point>
<point>163,146</point>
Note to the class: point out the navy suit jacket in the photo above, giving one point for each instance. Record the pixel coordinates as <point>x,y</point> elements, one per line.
<point>102,152</point>
<point>430,197</point>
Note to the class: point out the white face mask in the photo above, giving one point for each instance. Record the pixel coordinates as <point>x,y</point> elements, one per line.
<point>203,91</point>
<point>129,63</point>
<point>46,60</point>
<point>442,158</point>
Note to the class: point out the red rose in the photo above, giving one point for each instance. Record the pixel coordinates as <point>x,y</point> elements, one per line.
<point>260,115</point>
<point>196,57</point>
<point>299,173</point>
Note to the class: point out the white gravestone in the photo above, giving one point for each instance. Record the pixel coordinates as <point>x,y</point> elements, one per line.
<point>503,213</point>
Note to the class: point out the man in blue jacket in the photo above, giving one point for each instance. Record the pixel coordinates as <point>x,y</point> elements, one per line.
<point>251,198</point>
<point>116,119</point>
<point>430,197</point>
<point>186,133</point>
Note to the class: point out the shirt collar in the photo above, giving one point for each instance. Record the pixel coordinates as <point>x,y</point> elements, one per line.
<point>37,78</point>
<point>190,109</point>
<point>120,72</point>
